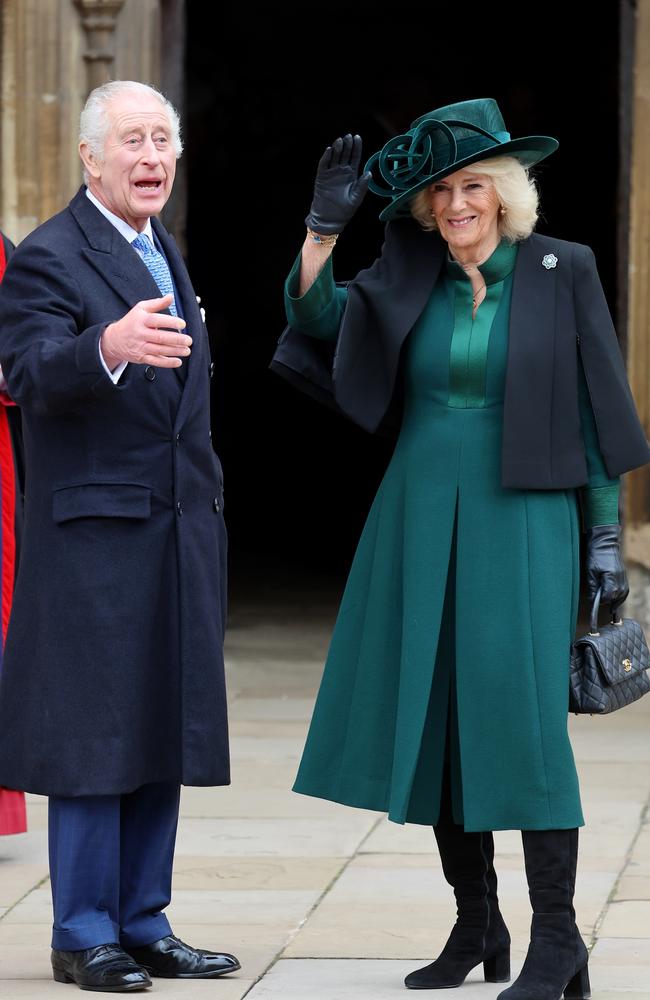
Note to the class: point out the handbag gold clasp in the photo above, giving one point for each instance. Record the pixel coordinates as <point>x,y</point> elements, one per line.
<point>628,665</point>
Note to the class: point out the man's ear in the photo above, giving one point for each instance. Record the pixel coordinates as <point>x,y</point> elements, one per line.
<point>90,161</point>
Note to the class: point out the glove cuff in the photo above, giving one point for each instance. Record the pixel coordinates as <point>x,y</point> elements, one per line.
<point>610,532</point>
<point>323,228</point>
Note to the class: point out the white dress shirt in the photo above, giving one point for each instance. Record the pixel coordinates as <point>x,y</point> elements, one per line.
<point>129,234</point>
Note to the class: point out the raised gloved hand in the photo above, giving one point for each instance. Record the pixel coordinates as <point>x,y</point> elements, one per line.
<point>338,189</point>
<point>604,564</point>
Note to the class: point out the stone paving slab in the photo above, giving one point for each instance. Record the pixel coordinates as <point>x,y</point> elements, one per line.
<point>628,919</point>
<point>24,848</point>
<point>633,887</point>
<point>335,837</point>
<point>193,872</point>
<point>298,979</point>
<point>253,799</point>
<point>16,880</point>
<point>271,749</point>
<point>251,774</point>
<point>23,961</point>
<point>47,989</point>
<point>36,936</point>
<point>271,709</point>
<point>379,909</point>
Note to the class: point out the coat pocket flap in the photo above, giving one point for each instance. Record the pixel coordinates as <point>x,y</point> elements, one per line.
<point>101,500</point>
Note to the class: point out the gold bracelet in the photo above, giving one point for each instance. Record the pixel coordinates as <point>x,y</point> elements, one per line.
<point>323,241</point>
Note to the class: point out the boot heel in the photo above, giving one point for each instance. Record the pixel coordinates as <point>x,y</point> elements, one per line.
<point>60,976</point>
<point>579,987</point>
<point>496,968</point>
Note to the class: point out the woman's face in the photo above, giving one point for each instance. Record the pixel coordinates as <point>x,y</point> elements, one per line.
<point>466,208</point>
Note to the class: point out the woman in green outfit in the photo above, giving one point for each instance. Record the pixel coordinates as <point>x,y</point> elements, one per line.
<point>445,694</point>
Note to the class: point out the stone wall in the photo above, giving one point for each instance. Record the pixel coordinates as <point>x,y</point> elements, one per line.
<point>637,483</point>
<point>53,53</point>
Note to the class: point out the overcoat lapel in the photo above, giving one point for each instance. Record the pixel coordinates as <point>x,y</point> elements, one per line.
<point>194,328</point>
<point>111,256</point>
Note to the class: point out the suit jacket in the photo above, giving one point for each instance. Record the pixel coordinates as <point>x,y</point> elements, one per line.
<point>113,674</point>
<point>554,313</point>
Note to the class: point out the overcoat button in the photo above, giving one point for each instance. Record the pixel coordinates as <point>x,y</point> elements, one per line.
<point>216,505</point>
<point>210,434</point>
<point>211,369</point>
<point>178,438</point>
<point>149,373</point>
<point>179,508</point>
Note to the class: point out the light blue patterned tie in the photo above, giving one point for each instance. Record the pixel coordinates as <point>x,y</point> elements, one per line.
<point>158,267</point>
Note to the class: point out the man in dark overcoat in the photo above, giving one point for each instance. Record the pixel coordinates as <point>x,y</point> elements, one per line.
<point>112,692</point>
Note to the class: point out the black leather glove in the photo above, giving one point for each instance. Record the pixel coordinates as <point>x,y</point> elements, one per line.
<point>338,189</point>
<point>604,565</point>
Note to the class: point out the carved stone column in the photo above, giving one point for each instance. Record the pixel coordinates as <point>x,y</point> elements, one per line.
<point>99,20</point>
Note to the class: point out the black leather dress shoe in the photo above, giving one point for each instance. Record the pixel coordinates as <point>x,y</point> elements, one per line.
<point>106,969</point>
<point>171,958</point>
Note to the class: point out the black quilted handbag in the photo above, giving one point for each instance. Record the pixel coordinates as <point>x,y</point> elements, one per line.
<point>608,665</point>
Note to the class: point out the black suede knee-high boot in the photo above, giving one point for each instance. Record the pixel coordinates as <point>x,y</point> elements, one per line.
<point>556,963</point>
<point>479,934</point>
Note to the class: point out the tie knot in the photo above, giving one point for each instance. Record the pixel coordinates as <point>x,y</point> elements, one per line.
<point>143,244</point>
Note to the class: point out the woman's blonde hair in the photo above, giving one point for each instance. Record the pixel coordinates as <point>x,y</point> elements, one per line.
<point>515,188</point>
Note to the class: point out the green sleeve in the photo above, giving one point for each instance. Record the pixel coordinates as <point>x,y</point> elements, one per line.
<point>318,312</point>
<point>599,498</point>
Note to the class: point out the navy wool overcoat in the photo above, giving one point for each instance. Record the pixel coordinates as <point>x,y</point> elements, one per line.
<point>113,673</point>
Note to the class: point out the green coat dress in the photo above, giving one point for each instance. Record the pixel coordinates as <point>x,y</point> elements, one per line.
<point>461,602</point>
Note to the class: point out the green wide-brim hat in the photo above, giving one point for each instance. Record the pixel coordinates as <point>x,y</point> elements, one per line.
<point>441,142</point>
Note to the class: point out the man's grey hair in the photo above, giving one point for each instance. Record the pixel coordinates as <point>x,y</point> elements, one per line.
<point>94,122</point>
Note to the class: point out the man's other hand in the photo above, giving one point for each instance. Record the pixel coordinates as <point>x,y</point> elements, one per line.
<point>145,336</point>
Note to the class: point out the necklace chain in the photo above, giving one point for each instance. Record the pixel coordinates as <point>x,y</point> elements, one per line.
<point>476,293</point>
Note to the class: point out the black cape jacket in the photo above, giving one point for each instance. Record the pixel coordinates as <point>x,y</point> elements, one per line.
<point>555,312</point>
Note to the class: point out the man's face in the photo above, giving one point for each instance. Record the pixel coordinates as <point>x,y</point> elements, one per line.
<point>135,177</point>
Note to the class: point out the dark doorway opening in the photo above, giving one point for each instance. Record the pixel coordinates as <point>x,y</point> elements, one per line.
<point>259,111</point>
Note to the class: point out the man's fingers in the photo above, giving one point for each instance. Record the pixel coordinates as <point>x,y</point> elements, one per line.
<point>159,361</point>
<point>155,305</point>
<point>166,350</point>
<point>170,339</point>
<point>160,321</point>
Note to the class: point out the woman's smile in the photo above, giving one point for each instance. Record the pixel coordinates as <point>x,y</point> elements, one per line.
<point>465,206</point>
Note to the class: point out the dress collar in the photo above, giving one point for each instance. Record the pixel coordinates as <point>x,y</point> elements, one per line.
<point>498,266</point>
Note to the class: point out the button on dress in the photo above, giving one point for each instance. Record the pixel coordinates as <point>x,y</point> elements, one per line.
<point>461,602</point>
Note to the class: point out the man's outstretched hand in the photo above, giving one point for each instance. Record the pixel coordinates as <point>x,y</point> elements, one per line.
<point>146,336</point>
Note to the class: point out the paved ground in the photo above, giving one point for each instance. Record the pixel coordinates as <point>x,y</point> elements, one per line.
<point>324,902</point>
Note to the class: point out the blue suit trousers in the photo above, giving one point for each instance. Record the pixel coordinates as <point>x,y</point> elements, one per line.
<point>111,859</point>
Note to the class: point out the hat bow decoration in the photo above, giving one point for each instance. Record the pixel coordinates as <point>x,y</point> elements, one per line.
<point>411,158</point>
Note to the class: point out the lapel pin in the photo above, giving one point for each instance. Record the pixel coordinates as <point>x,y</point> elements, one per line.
<point>549,260</point>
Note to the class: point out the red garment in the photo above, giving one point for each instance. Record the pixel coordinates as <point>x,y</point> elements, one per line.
<point>13,818</point>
